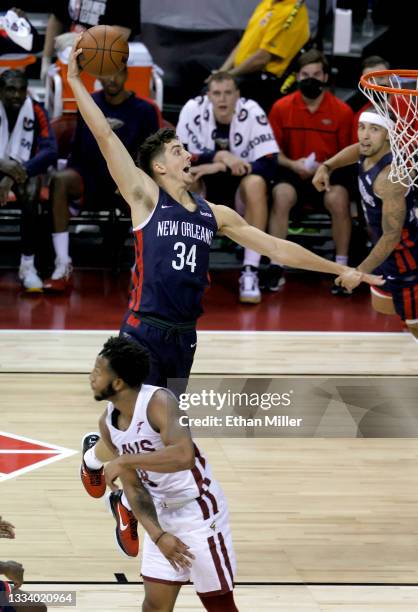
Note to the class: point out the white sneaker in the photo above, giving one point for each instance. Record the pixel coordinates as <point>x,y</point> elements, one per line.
<point>30,278</point>
<point>63,269</point>
<point>249,291</point>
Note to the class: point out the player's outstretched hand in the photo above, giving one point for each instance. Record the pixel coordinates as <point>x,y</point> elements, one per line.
<point>7,530</point>
<point>73,67</point>
<point>351,278</point>
<point>321,179</point>
<point>175,551</point>
<point>14,572</point>
<point>112,471</point>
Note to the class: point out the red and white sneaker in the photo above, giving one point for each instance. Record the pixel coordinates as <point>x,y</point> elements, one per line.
<point>61,279</point>
<point>93,480</point>
<point>126,531</point>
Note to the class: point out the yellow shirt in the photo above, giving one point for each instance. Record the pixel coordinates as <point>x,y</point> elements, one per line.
<point>281,28</point>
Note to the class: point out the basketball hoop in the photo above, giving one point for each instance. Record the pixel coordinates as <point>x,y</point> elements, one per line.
<point>397,104</point>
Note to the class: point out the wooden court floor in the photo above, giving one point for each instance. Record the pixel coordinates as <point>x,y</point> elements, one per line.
<point>318,523</point>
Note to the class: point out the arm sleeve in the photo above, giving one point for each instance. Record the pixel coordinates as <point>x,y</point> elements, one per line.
<point>46,151</point>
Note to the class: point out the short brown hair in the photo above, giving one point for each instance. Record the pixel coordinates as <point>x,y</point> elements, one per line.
<point>313,56</point>
<point>374,60</point>
<point>221,75</point>
<point>153,146</point>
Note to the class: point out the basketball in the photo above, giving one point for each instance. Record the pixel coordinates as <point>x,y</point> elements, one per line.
<point>105,51</point>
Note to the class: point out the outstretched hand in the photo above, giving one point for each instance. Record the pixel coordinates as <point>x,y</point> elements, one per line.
<point>351,278</point>
<point>73,67</point>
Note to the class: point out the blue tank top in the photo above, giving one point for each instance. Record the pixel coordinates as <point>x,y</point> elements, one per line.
<point>172,260</point>
<point>403,260</point>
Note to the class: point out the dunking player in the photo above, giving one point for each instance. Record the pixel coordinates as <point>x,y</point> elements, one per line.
<point>167,481</point>
<point>389,209</point>
<point>173,231</point>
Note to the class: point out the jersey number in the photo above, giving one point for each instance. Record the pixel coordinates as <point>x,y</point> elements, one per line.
<point>183,258</point>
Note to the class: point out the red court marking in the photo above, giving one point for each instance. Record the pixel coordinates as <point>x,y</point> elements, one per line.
<point>7,443</point>
<point>11,462</point>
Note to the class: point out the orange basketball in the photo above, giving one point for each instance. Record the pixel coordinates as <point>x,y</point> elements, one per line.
<point>105,51</point>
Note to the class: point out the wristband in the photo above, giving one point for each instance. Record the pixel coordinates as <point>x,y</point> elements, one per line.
<point>159,537</point>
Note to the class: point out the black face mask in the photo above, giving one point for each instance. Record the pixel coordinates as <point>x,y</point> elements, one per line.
<point>311,88</point>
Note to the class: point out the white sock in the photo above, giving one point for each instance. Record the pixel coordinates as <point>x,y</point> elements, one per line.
<point>91,460</point>
<point>341,259</point>
<point>60,241</point>
<point>251,258</point>
<point>125,502</point>
<point>27,259</point>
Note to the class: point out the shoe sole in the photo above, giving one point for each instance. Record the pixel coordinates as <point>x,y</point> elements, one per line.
<point>277,287</point>
<point>33,289</point>
<point>110,509</point>
<point>256,300</point>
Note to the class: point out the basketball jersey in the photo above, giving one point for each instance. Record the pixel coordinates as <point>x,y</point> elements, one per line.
<point>403,260</point>
<point>172,260</point>
<point>141,438</point>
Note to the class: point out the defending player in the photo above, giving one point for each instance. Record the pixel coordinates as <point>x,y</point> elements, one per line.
<point>389,209</point>
<point>167,481</point>
<point>173,231</point>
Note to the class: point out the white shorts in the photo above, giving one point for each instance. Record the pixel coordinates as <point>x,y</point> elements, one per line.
<point>210,540</point>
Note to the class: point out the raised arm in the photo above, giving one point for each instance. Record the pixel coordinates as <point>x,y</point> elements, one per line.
<point>288,253</point>
<point>136,187</point>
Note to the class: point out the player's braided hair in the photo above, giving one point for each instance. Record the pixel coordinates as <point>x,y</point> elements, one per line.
<point>153,146</point>
<point>129,360</point>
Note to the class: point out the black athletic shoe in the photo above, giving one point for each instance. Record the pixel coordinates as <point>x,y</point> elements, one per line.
<point>275,278</point>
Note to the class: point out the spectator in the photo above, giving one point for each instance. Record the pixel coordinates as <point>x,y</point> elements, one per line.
<point>27,149</point>
<point>370,64</point>
<point>23,31</point>
<point>275,33</point>
<point>78,15</point>
<point>233,149</point>
<point>310,126</point>
<point>86,181</point>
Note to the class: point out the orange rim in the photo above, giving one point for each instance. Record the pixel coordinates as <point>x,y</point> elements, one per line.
<point>364,81</point>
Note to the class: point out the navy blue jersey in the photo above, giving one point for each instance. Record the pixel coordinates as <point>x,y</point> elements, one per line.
<point>172,260</point>
<point>403,260</point>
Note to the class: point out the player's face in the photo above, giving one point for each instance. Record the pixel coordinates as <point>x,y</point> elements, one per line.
<point>224,96</point>
<point>372,138</point>
<point>13,94</point>
<point>101,380</point>
<point>113,85</point>
<point>177,162</point>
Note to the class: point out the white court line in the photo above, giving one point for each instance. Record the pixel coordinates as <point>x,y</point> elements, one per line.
<point>205,332</point>
<point>27,452</point>
<point>37,465</point>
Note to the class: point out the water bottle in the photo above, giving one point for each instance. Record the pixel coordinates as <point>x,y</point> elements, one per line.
<point>367,28</point>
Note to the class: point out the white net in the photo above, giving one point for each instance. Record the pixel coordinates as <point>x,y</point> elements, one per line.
<point>397,103</point>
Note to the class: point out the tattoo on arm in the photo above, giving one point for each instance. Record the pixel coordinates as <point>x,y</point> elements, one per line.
<point>145,505</point>
<point>393,219</point>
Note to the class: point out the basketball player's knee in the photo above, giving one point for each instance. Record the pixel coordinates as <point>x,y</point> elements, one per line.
<point>219,603</point>
<point>151,606</point>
